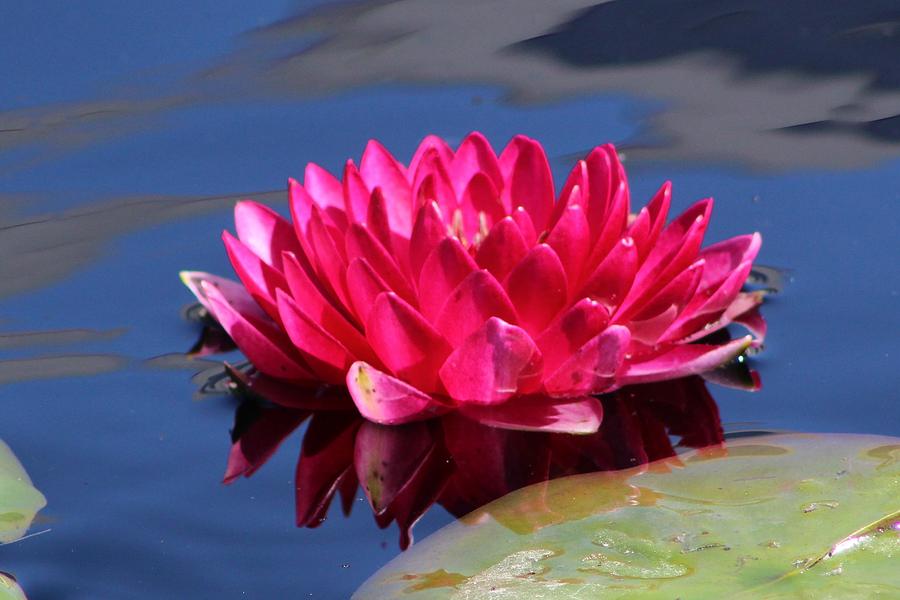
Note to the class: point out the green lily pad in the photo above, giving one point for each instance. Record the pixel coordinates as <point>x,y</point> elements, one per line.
<point>9,588</point>
<point>19,500</point>
<point>777,516</point>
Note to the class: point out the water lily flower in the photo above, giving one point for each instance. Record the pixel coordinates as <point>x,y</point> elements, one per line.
<point>461,281</point>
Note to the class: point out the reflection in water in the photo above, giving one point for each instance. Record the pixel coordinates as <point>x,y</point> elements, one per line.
<point>455,461</point>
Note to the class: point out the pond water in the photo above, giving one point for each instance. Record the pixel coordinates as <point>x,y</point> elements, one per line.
<point>128,130</point>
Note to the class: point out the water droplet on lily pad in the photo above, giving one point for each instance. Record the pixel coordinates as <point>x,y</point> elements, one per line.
<point>766,517</point>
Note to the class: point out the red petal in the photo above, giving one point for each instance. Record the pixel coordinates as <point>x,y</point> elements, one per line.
<point>683,360</point>
<point>477,298</point>
<point>258,442</point>
<point>443,270</point>
<point>324,354</point>
<point>379,169</point>
<point>502,249</point>
<point>261,341</point>
<point>474,155</point>
<point>529,182</point>
<point>386,458</point>
<point>388,400</point>
<point>611,280</point>
<point>491,364</point>
<point>406,343</point>
<point>592,368</point>
<point>325,459</point>
<point>540,413</point>
<point>538,288</point>
<point>570,331</point>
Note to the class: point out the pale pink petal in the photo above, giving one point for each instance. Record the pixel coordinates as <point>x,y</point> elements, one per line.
<point>325,355</point>
<point>428,230</point>
<point>388,400</point>
<point>474,155</point>
<point>405,342</point>
<point>379,169</point>
<point>234,293</point>
<point>570,331</point>
<point>538,288</point>
<point>443,270</point>
<point>477,298</point>
<point>502,249</point>
<point>540,413</point>
<point>683,360</point>
<point>492,364</point>
<point>529,182</point>
<point>592,369</point>
<point>261,341</point>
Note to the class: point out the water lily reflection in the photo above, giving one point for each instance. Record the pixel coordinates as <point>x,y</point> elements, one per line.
<point>456,461</point>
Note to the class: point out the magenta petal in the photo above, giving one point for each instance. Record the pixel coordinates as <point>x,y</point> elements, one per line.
<point>683,360</point>
<point>477,298</point>
<point>356,194</point>
<point>233,292</point>
<point>260,279</point>
<point>540,413</point>
<point>387,400</point>
<point>502,249</point>
<point>264,231</point>
<point>529,182</point>
<point>360,243</point>
<point>386,458</point>
<point>481,206</point>
<point>364,285</point>
<point>377,220</point>
<point>406,343</point>
<point>261,341</point>
<point>569,239</point>
<point>431,144</point>
<point>379,169</point>
<point>432,184</point>
<point>474,155</point>
<point>428,230</point>
<point>612,279</point>
<point>443,270</point>
<point>325,460</point>
<point>326,356</point>
<point>724,257</point>
<point>538,288</point>
<point>258,443</point>
<point>491,364</point>
<point>570,331</point>
<point>324,187</point>
<point>592,368</point>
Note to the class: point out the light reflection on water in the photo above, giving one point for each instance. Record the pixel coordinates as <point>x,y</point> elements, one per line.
<point>121,154</point>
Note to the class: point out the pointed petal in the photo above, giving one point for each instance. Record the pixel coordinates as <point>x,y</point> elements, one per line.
<point>384,399</point>
<point>431,144</point>
<point>233,292</point>
<point>502,249</point>
<point>325,458</point>
<point>480,205</point>
<point>612,279</point>
<point>364,285</point>
<point>540,413</point>
<point>570,331</point>
<point>260,279</point>
<point>361,243</point>
<point>569,238</point>
<point>477,298</point>
<point>386,458</point>
<point>356,194</point>
<point>377,220</point>
<point>443,270</point>
<point>529,182</point>
<point>405,342</point>
<point>526,225</point>
<point>380,169</point>
<point>658,209</point>
<point>724,257</point>
<point>683,360</point>
<point>432,184</point>
<point>428,230</point>
<point>325,355</point>
<point>538,288</point>
<point>261,341</point>
<point>324,187</point>
<point>258,442</point>
<point>592,368</point>
<point>329,258</point>
<point>264,231</point>
<point>474,155</point>
<point>491,364</point>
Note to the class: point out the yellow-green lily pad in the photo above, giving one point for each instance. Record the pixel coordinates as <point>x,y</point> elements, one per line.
<point>19,500</point>
<point>777,516</point>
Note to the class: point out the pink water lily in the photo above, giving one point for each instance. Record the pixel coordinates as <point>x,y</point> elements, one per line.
<point>460,281</point>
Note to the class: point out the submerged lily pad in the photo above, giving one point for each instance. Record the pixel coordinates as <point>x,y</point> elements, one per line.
<point>19,500</point>
<point>776,516</point>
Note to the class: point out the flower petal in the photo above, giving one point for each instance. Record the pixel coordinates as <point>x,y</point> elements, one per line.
<point>724,257</point>
<point>443,270</point>
<point>431,144</point>
<point>529,182</point>
<point>569,238</point>
<point>592,368</point>
<point>540,413</point>
<point>380,169</point>
<point>260,279</point>
<point>258,442</point>
<point>264,231</point>
<point>405,342</point>
<point>234,293</point>
<point>502,249</point>
<point>538,288</point>
<point>612,279</point>
<point>570,331</point>
<point>477,298</point>
<point>325,355</point>
<point>481,206</point>
<point>474,155</point>
<point>262,342</point>
<point>384,399</point>
<point>361,243</point>
<point>386,458</point>
<point>492,364</point>
<point>683,360</point>
<point>325,459</point>
<point>428,230</point>
<point>356,194</point>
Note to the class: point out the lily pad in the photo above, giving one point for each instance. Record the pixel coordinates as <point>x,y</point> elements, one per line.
<point>9,588</point>
<point>775,516</point>
<point>19,500</point>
